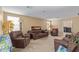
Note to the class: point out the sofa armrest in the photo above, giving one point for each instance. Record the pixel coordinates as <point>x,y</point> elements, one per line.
<point>34,34</point>
<point>60,42</point>
<point>56,44</point>
<point>26,35</point>
<point>20,38</point>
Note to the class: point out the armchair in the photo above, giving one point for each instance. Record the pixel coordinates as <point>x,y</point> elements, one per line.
<point>19,40</point>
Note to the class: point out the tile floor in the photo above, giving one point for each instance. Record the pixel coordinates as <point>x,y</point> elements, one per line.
<point>45,44</point>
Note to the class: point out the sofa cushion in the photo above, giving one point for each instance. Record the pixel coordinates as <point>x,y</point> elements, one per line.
<point>14,34</point>
<point>68,36</point>
<point>66,39</point>
<point>19,33</point>
<point>43,31</point>
<point>36,31</point>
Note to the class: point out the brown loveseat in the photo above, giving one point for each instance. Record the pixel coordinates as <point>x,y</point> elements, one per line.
<point>19,40</point>
<point>66,42</point>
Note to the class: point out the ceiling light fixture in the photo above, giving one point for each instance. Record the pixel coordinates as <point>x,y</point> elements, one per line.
<point>29,7</point>
<point>43,11</point>
<point>77,13</point>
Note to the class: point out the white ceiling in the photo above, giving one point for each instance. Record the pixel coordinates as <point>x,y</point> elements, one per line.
<point>44,11</point>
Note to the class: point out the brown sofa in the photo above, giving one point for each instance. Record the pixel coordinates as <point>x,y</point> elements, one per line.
<point>19,40</point>
<point>54,32</point>
<point>36,34</point>
<point>66,42</point>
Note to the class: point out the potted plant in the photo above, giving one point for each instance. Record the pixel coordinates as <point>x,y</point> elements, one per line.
<point>76,38</point>
<point>7,26</point>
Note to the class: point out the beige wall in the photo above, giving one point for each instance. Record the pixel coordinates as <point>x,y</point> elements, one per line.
<point>27,21</point>
<point>75,24</point>
<point>1,19</point>
<point>57,23</point>
<point>60,24</point>
<point>66,23</point>
<point>72,22</point>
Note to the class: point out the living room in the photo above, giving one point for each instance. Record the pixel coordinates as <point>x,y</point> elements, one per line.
<point>53,27</point>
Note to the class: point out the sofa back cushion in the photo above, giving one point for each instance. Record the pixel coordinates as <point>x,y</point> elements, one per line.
<point>15,34</point>
<point>36,31</point>
<point>35,27</point>
<point>77,34</point>
<point>66,39</point>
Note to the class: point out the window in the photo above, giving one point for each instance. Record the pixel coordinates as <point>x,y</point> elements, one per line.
<point>15,21</point>
<point>67,29</point>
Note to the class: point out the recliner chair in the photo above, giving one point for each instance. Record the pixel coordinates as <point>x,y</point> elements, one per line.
<point>19,40</point>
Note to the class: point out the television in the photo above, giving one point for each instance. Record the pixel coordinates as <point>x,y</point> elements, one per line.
<point>67,29</point>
